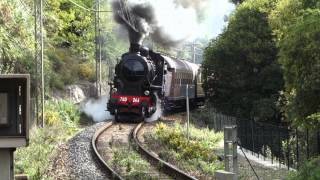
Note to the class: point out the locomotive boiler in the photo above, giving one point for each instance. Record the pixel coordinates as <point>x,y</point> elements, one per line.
<point>144,78</point>
<point>137,84</point>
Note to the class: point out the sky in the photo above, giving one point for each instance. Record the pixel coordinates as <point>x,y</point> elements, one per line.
<point>214,23</point>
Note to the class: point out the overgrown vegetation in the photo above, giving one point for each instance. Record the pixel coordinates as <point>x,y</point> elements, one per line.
<point>310,171</point>
<point>196,155</point>
<point>130,164</point>
<point>61,124</point>
<point>69,37</point>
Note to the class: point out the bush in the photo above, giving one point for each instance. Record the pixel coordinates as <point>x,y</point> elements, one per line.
<point>86,72</point>
<point>195,153</point>
<point>66,111</point>
<point>310,171</point>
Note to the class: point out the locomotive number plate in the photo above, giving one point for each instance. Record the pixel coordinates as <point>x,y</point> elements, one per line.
<point>123,99</point>
<point>136,100</point>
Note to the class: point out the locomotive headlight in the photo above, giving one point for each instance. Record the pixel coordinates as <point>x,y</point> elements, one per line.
<point>146,92</point>
<point>114,90</point>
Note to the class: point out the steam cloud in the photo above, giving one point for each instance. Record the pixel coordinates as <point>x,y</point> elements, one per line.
<point>96,109</point>
<point>159,19</point>
<point>155,116</point>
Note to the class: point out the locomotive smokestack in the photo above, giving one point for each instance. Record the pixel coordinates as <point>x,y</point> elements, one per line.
<point>134,48</point>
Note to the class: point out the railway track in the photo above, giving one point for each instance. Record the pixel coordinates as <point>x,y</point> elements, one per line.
<point>129,134</point>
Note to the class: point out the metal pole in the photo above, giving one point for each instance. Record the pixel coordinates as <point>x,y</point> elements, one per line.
<point>308,154</point>
<point>252,138</point>
<point>194,52</point>
<point>6,164</point>
<point>235,156</point>
<point>99,34</point>
<point>318,141</point>
<point>297,147</point>
<point>188,115</point>
<point>288,150</point>
<point>36,58</point>
<point>96,49</point>
<point>42,67</point>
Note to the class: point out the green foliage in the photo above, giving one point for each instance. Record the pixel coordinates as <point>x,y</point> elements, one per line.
<point>236,1</point>
<point>86,71</point>
<point>243,76</point>
<point>300,58</point>
<point>61,124</point>
<point>16,38</point>
<point>197,153</point>
<point>67,111</point>
<point>131,164</point>
<point>310,171</point>
<point>69,26</point>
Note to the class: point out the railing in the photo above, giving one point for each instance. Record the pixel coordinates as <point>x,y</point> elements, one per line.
<point>289,147</point>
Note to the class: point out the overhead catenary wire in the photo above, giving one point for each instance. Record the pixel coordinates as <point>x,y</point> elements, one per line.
<point>86,8</point>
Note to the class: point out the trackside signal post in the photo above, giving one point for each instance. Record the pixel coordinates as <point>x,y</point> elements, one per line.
<point>14,119</point>
<point>230,142</point>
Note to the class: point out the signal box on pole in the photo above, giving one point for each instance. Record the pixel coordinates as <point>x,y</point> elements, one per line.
<point>14,110</point>
<point>14,119</point>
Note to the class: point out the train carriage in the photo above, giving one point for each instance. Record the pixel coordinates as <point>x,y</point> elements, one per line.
<point>180,75</point>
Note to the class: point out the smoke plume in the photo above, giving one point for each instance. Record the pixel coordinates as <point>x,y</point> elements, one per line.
<point>96,109</point>
<point>156,115</point>
<point>167,22</point>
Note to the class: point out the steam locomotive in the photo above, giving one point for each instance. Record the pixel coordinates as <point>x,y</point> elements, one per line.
<point>144,78</point>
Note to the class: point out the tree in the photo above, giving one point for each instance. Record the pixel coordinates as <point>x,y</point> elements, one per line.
<point>236,2</point>
<point>300,58</point>
<point>243,76</point>
<point>16,38</point>
<point>286,13</point>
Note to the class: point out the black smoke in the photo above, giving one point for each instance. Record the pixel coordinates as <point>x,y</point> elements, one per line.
<point>140,20</point>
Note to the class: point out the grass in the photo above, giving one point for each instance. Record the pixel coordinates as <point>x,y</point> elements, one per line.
<point>61,118</point>
<point>196,155</point>
<point>131,165</point>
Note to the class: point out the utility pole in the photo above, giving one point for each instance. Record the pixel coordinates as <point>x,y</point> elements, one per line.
<point>98,48</point>
<point>194,52</point>
<point>39,59</point>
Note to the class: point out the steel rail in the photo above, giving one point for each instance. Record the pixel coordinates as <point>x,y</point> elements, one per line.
<point>166,167</point>
<point>112,172</point>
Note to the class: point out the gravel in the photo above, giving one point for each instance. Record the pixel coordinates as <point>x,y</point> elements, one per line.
<point>76,159</point>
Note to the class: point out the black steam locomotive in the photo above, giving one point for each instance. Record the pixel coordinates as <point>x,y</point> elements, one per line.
<point>144,77</point>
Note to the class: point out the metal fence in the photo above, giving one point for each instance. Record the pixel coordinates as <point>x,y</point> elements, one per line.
<point>290,147</point>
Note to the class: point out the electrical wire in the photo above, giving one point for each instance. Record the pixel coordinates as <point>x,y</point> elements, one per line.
<point>85,8</point>
<point>248,161</point>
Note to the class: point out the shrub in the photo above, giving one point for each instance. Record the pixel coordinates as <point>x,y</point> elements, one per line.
<point>131,164</point>
<point>195,154</point>
<point>51,118</point>
<point>310,170</point>
<point>66,110</point>
<point>86,71</point>
<point>199,145</point>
